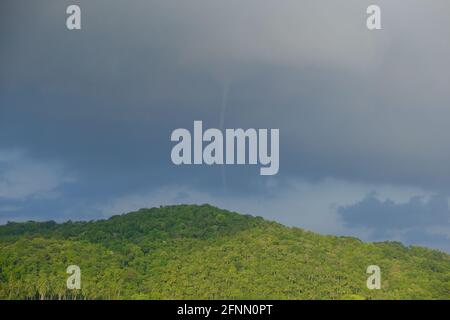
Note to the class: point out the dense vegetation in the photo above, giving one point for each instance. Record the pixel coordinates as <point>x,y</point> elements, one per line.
<point>181,252</point>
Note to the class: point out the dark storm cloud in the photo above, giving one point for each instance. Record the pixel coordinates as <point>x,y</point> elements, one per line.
<point>350,103</point>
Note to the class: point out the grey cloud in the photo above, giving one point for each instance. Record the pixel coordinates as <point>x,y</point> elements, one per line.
<point>421,220</point>
<point>22,178</point>
<point>387,215</point>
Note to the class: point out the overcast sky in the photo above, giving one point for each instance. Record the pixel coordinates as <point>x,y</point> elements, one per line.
<point>364,116</point>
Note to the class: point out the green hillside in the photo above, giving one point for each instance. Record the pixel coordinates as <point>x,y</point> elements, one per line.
<point>202,252</point>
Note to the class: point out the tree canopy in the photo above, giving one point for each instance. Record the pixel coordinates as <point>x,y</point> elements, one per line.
<point>202,252</point>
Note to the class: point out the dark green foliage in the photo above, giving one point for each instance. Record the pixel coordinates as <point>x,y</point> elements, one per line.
<point>187,251</point>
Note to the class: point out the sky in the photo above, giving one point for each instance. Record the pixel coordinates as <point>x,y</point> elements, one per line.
<point>364,116</point>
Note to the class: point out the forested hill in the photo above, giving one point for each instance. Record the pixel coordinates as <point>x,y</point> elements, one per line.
<point>202,252</point>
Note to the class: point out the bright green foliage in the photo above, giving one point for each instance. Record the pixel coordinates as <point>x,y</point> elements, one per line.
<point>201,252</point>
